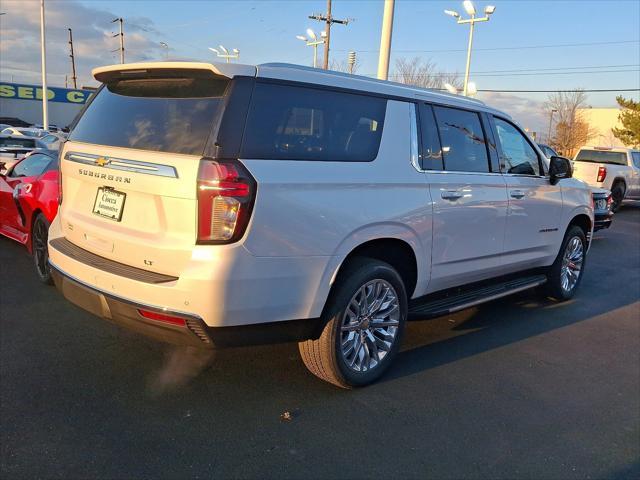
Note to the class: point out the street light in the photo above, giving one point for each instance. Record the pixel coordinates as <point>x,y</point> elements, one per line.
<point>471,11</point>
<point>313,41</point>
<point>225,53</point>
<point>166,50</point>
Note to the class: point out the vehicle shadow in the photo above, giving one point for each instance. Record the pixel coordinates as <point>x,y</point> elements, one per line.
<point>432,343</point>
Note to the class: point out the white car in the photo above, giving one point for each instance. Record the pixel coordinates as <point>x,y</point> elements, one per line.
<point>615,169</point>
<point>26,132</point>
<point>231,204</point>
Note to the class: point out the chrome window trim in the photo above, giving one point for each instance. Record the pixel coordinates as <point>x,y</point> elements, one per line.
<point>414,148</point>
<point>461,172</point>
<point>123,164</point>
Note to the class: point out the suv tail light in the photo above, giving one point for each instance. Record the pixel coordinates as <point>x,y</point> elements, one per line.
<point>602,174</point>
<point>226,192</point>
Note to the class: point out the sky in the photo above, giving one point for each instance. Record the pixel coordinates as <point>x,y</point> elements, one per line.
<point>526,45</point>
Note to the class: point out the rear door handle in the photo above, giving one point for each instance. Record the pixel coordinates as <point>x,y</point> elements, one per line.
<point>516,194</point>
<point>451,195</point>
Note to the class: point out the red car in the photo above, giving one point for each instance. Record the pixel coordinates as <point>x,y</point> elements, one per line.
<point>28,204</point>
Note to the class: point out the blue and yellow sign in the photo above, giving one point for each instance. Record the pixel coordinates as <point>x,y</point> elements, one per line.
<point>34,92</point>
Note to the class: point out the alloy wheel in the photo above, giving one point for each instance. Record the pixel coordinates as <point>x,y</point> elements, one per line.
<point>369,326</point>
<point>572,261</point>
<point>40,251</point>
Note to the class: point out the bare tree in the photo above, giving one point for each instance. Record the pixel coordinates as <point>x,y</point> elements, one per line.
<point>423,73</point>
<point>571,130</point>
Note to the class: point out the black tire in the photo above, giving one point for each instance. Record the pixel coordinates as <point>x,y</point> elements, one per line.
<point>617,195</point>
<point>555,288</point>
<point>325,356</point>
<point>39,240</point>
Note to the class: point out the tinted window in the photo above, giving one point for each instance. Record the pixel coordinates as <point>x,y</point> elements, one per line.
<point>517,156</point>
<point>463,143</point>
<point>297,123</point>
<point>31,166</point>
<point>162,114</point>
<point>431,158</point>
<point>636,158</point>
<point>599,156</point>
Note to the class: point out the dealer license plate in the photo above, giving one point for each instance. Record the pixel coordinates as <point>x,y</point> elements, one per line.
<point>109,203</point>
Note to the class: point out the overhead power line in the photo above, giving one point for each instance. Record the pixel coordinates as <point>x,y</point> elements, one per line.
<point>521,47</point>
<point>575,72</point>
<point>596,90</point>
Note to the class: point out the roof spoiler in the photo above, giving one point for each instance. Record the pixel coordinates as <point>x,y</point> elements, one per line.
<point>228,70</point>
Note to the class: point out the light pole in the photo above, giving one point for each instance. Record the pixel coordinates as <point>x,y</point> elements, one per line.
<point>166,50</point>
<point>313,41</point>
<point>553,110</point>
<point>43,52</point>
<point>225,53</point>
<point>385,40</point>
<point>472,20</point>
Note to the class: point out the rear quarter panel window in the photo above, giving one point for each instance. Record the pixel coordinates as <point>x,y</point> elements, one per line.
<point>287,122</point>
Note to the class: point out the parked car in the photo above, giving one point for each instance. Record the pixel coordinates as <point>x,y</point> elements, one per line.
<point>615,169</point>
<point>602,212</point>
<point>13,148</point>
<point>27,132</point>
<point>53,140</point>
<point>50,128</point>
<point>13,122</point>
<point>547,150</point>
<point>284,203</point>
<point>28,204</point>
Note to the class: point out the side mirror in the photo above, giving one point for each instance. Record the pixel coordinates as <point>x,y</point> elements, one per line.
<point>559,168</point>
<point>3,169</point>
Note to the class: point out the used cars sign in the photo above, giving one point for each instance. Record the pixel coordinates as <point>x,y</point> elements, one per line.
<point>34,92</point>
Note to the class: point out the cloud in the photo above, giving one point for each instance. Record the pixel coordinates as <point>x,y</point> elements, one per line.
<point>528,113</point>
<point>93,40</point>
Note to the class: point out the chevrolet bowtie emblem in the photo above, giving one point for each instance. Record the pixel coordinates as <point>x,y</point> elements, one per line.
<point>102,161</point>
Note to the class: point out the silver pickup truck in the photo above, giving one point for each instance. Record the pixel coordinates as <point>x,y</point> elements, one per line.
<point>615,169</point>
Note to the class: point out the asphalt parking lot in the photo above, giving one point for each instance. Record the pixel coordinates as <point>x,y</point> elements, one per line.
<point>519,388</point>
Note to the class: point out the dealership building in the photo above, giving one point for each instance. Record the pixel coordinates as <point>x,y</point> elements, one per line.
<point>24,102</point>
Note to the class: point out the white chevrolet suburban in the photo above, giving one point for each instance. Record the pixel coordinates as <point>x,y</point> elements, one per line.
<point>223,204</point>
<point>615,169</point>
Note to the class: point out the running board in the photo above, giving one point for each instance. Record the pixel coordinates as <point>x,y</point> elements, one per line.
<point>471,298</point>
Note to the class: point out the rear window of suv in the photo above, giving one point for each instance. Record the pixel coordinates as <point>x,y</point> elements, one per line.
<point>600,156</point>
<point>171,113</point>
<point>298,123</point>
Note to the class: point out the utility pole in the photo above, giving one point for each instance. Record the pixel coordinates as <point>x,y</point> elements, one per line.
<point>121,35</point>
<point>328,21</point>
<point>73,61</point>
<point>385,40</point>
<point>43,53</point>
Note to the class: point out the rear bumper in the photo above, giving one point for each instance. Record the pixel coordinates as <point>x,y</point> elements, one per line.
<point>194,333</point>
<point>602,221</point>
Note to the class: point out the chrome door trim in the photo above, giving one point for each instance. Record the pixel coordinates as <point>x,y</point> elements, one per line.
<point>123,164</point>
<point>415,154</point>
